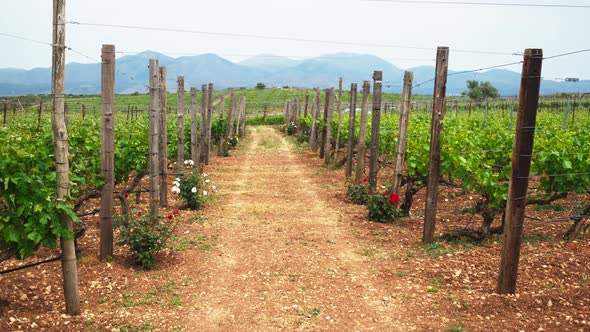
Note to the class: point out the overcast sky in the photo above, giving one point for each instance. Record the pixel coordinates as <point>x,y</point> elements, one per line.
<point>461,27</point>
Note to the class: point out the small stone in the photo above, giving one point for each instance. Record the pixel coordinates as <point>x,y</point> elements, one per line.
<point>23,297</point>
<point>34,325</point>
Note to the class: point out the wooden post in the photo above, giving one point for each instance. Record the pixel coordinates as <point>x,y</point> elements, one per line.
<point>237,115</point>
<point>39,113</point>
<point>180,124</point>
<point>521,163</point>
<point>329,113</point>
<point>5,110</point>
<point>243,122</point>
<point>231,113</point>
<point>194,133</point>
<point>209,122</point>
<point>337,148</point>
<point>154,134</point>
<point>438,113</point>
<point>323,137</point>
<point>203,129</point>
<point>304,126</point>
<point>375,123</point>
<point>351,122</point>
<point>61,151</point>
<point>163,137</point>
<point>313,139</point>
<point>485,114</point>
<point>107,151</point>
<point>221,140</point>
<point>362,145</point>
<point>403,133</point>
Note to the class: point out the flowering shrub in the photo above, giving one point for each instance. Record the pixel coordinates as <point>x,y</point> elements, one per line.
<point>383,207</point>
<point>359,192</point>
<point>193,188</point>
<point>143,238</point>
<point>233,142</point>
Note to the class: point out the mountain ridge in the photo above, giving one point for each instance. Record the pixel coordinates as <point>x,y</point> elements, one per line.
<point>272,70</point>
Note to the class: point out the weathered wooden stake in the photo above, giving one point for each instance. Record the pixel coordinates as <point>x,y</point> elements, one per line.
<point>180,124</point>
<point>163,137</point>
<point>5,110</point>
<point>339,109</point>
<point>521,162</point>
<point>329,114</point>
<point>61,151</point>
<point>403,133</point>
<point>154,135</point>
<point>194,133</point>
<point>362,145</point>
<point>39,113</point>
<point>209,122</point>
<point>351,122</point>
<point>242,124</point>
<point>221,140</point>
<point>438,112</point>
<point>107,151</point>
<point>203,128</point>
<point>313,139</point>
<point>375,123</point>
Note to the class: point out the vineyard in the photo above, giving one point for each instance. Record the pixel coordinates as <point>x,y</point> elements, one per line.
<point>194,208</point>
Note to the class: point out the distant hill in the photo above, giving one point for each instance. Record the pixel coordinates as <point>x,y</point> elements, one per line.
<point>323,71</point>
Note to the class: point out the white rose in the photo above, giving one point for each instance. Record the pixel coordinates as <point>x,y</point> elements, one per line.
<point>204,192</point>
<point>194,190</point>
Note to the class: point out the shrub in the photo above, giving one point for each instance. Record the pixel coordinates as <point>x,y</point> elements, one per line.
<point>143,238</point>
<point>193,188</point>
<point>383,207</point>
<point>291,129</point>
<point>358,192</point>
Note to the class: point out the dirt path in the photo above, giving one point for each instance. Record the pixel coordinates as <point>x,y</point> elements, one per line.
<point>285,259</point>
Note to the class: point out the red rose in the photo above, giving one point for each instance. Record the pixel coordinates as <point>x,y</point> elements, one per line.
<point>139,213</point>
<point>365,180</point>
<point>385,193</point>
<point>114,209</point>
<point>170,216</point>
<point>369,192</point>
<point>394,198</point>
<point>126,195</point>
<point>176,211</point>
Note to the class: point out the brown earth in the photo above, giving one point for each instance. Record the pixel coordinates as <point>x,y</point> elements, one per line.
<point>281,248</point>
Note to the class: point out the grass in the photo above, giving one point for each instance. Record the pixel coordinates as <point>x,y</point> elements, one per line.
<point>270,143</point>
<point>164,294</point>
<point>311,312</point>
<point>550,207</point>
<point>200,242</point>
<point>129,327</point>
<point>456,328</point>
<point>536,238</point>
<point>439,249</point>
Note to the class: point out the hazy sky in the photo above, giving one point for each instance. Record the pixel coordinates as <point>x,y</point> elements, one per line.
<point>461,27</point>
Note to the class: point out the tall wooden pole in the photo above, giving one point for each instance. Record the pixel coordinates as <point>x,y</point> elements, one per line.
<point>194,133</point>
<point>203,129</point>
<point>107,151</point>
<point>209,122</point>
<point>329,113</point>
<point>521,162</point>
<point>375,123</point>
<point>403,133</point>
<point>438,112</point>
<point>339,109</point>
<point>163,137</point>
<point>351,122</point>
<point>362,145</point>
<point>313,140</point>
<point>221,140</point>
<point>60,143</point>
<point>154,133</point>
<point>180,124</point>
<point>243,122</point>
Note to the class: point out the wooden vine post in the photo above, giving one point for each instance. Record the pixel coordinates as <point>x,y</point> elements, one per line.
<point>438,112</point>
<point>163,137</point>
<point>521,162</point>
<point>154,126</point>
<point>339,109</point>
<point>180,124</point>
<point>375,123</point>
<point>194,133</point>
<point>39,113</point>
<point>60,144</point>
<point>313,139</point>
<point>243,122</point>
<point>221,140</point>
<point>209,123</point>
<point>362,145</point>
<point>229,129</point>
<point>5,111</point>
<point>403,133</point>
<point>351,122</point>
<point>107,151</point>
<point>203,127</point>
<point>329,112</point>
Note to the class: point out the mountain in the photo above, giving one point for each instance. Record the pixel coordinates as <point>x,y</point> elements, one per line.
<point>322,71</point>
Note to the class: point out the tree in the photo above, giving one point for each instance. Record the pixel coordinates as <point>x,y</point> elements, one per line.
<point>260,85</point>
<point>479,91</point>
